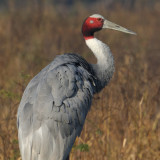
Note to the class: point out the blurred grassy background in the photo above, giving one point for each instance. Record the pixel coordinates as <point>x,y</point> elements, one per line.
<point>124,121</point>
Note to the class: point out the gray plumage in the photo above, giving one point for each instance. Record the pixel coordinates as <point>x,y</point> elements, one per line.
<point>55,103</point>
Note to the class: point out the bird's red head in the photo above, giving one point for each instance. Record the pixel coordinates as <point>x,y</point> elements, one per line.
<point>92,24</point>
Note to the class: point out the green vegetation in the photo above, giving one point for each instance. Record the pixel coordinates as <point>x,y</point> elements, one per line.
<point>82,147</point>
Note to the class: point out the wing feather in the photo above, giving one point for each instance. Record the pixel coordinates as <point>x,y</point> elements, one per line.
<point>53,109</point>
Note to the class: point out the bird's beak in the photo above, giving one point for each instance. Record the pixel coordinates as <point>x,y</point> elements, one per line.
<point>111,25</point>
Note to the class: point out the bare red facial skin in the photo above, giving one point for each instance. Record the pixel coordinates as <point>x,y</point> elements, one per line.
<point>90,26</point>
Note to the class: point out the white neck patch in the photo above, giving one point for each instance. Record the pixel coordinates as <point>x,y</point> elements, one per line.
<point>99,49</point>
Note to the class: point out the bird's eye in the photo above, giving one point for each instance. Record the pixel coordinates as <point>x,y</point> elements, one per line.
<point>91,21</point>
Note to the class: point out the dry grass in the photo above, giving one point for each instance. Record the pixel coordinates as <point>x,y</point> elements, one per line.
<point>123,123</point>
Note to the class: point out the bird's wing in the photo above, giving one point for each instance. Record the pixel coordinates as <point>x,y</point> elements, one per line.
<point>52,112</point>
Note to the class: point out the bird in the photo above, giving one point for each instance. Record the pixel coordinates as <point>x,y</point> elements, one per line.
<point>56,101</point>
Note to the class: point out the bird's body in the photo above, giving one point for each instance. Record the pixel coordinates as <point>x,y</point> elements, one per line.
<point>59,111</point>
<point>56,101</point>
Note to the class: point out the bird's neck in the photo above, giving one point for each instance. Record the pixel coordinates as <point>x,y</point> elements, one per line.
<point>105,63</point>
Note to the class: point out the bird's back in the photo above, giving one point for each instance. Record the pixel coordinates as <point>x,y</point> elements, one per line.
<point>54,107</point>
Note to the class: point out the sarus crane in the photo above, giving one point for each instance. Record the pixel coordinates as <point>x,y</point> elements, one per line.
<point>56,101</point>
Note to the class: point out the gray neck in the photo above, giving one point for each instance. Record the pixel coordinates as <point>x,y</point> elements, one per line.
<point>104,68</point>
